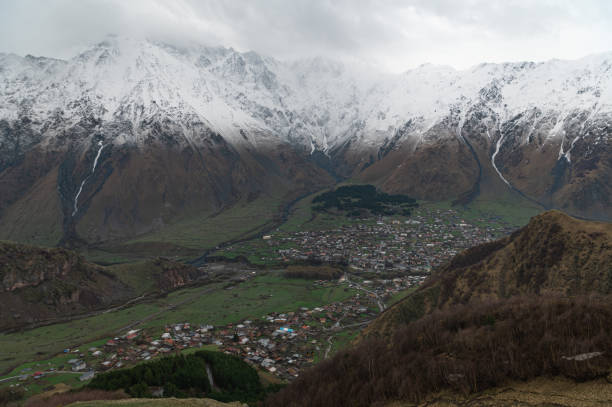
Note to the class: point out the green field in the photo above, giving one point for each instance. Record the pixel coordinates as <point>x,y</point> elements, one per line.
<point>44,342</point>
<point>207,231</point>
<point>209,304</point>
<point>509,207</point>
<point>252,299</point>
<point>399,296</point>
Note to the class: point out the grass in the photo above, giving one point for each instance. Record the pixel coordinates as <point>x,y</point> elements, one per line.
<point>108,257</point>
<point>208,231</point>
<point>398,296</point>
<point>44,342</point>
<point>509,208</point>
<point>517,215</point>
<point>343,339</point>
<point>300,214</point>
<point>136,275</point>
<point>252,299</point>
<point>40,348</point>
<point>168,402</point>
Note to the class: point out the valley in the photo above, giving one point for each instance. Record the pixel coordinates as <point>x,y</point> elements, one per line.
<point>324,316</point>
<point>200,221</point>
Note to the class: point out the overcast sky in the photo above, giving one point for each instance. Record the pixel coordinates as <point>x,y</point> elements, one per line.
<point>391,34</point>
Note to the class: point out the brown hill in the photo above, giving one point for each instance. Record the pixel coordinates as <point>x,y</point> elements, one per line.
<point>540,392</point>
<point>40,285</point>
<point>446,167</point>
<point>534,304</point>
<point>465,349</point>
<point>135,191</point>
<point>553,254</point>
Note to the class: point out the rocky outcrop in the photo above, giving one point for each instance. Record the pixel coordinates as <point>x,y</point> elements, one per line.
<point>170,275</point>
<point>27,266</point>
<point>39,285</point>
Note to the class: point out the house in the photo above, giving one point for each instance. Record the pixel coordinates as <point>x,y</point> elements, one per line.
<point>78,366</point>
<point>87,376</point>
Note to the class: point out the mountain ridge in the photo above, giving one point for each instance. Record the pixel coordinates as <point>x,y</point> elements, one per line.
<point>228,125</point>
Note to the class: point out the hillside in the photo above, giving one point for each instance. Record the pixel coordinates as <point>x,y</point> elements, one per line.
<point>553,391</point>
<point>534,304</point>
<point>40,285</point>
<point>169,402</point>
<point>554,254</point>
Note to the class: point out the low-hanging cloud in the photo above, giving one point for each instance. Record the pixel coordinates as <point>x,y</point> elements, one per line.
<point>391,34</point>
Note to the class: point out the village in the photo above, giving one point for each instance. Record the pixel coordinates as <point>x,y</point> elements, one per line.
<point>418,244</point>
<point>282,344</point>
<point>383,259</point>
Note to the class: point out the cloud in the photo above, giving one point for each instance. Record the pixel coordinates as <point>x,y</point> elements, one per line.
<point>392,34</point>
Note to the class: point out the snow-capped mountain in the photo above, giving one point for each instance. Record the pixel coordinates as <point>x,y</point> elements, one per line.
<point>542,129</point>
<point>125,80</point>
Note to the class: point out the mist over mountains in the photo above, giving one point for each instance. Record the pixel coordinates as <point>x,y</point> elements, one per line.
<point>131,135</point>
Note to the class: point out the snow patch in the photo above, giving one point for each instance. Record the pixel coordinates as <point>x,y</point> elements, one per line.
<point>93,169</point>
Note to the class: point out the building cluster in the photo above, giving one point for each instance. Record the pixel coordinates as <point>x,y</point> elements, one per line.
<point>418,244</point>
<point>280,343</point>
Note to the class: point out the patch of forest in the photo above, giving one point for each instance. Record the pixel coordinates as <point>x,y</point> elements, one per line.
<point>363,201</point>
<point>185,376</point>
<point>313,272</point>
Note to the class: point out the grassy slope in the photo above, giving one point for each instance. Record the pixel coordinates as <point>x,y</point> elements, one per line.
<point>208,231</point>
<point>508,207</point>
<point>543,391</point>
<point>169,402</point>
<point>253,299</point>
<point>188,238</point>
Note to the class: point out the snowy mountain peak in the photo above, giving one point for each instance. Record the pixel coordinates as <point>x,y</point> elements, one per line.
<point>316,103</point>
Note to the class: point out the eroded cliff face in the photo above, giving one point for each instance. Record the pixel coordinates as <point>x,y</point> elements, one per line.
<point>26,266</point>
<point>170,275</point>
<point>39,285</point>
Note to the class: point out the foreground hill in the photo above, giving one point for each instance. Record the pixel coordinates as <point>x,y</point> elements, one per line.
<point>169,402</point>
<point>533,304</point>
<point>554,254</point>
<point>540,392</point>
<point>40,285</point>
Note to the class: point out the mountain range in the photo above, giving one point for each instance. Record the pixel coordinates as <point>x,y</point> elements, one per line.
<point>131,136</point>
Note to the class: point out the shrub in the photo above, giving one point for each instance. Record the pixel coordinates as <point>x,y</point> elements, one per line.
<point>9,394</point>
<point>64,399</point>
<point>468,348</point>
